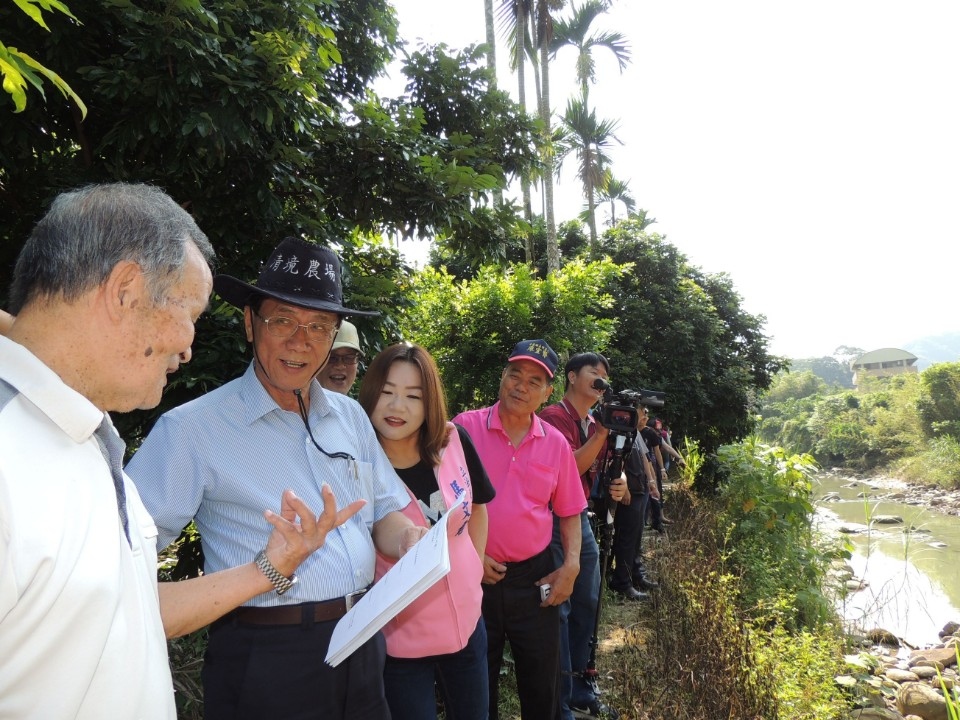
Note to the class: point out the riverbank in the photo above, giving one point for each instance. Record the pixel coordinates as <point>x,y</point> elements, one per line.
<point>892,683</point>
<point>930,497</point>
<point>900,570</point>
<point>905,547</point>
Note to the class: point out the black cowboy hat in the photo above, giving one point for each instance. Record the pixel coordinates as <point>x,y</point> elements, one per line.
<point>298,272</point>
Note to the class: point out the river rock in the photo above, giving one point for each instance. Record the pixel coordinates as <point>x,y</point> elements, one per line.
<point>924,672</point>
<point>852,528</point>
<point>855,585</point>
<point>944,655</point>
<point>887,520</point>
<point>831,497</point>
<point>950,628</point>
<point>883,637</point>
<point>901,676</point>
<point>937,544</point>
<point>915,698</point>
<point>873,713</point>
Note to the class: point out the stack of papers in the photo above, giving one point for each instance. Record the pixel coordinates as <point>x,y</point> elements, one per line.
<point>423,565</point>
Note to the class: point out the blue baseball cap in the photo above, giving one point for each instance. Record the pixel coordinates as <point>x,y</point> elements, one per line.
<point>537,351</point>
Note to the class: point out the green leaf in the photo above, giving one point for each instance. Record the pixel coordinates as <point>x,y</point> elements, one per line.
<point>57,81</point>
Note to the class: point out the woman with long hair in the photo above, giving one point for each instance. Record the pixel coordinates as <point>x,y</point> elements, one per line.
<point>440,638</point>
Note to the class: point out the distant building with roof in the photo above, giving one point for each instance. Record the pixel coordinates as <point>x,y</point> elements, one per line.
<point>885,362</point>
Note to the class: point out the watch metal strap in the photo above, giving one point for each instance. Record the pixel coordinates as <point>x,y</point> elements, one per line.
<point>280,582</point>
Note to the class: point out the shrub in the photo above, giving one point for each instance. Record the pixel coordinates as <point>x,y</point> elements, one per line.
<point>766,523</point>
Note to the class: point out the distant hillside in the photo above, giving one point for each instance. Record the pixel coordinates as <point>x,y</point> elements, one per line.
<point>935,349</point>
<point>827,368</point>
<point>929,351</point>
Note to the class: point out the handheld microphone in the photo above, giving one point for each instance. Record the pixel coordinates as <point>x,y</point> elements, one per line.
<point>600,384</point>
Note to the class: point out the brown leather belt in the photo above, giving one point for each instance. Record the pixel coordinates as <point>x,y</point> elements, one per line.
<point>305,613</point>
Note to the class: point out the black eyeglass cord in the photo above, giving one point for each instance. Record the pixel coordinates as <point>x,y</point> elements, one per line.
<point>306,423</point>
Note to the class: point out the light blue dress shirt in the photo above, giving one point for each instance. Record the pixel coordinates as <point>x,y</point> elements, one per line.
<point>226,457</point>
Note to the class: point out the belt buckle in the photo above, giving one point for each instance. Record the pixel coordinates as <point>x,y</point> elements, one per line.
<point>353,598</point>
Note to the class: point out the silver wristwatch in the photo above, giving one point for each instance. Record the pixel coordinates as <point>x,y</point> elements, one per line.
<point>280,582</point>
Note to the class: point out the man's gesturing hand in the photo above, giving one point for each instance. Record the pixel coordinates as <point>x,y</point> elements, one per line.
<point>292,542</point>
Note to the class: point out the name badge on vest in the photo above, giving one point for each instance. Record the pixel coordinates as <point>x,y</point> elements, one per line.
<point>435,509</point>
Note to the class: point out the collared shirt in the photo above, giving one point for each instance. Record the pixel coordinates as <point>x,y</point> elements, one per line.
<point>80,628</point>
<point>565,418</point>
<point>529,479</point>
<point>224,458</point>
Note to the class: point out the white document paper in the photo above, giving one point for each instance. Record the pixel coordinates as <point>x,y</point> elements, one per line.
<point>423,565</point>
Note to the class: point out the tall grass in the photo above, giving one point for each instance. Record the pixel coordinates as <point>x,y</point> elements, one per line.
<point>938,464</point>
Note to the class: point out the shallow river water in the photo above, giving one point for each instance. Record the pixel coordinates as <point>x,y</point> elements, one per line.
<point>911,571</point>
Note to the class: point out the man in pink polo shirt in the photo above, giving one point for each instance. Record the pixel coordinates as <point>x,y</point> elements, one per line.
<point>533,470</point>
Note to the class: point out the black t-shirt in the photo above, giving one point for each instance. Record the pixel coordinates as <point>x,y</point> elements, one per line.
<point>653,439</point>
<point>633,467</point>
<point>422,481</point>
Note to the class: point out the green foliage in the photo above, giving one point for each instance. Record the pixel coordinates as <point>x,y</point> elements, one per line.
<point>738,627</point>
<point>470,326</point>
<point>684,332</point>
<point>875,425</point>
<point>805,664</point>
<point>766,515</point>
<point>701,656</point>
<point>827,368</point>
<point>794,386</point>
<point>20,71</point>
<point>938,463</point>
<point>259,122</point>
<point>951,692</point>
<point>939,401</point>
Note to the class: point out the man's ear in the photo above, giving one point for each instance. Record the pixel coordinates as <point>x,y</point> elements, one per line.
<point>124,289</point>
<point>248,323</point>
<point>547,391</point>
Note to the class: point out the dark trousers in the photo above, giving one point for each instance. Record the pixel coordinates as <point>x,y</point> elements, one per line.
<point>461,676</point>
<point>511,611</point>
<point>577,618</point>
<point>628,530</point>
<point>264,672</point>
<point>656,513</point>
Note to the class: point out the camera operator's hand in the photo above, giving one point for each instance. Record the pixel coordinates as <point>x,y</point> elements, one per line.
<point>618,488</point>
<point>602,431</point>
<point>493,571</point>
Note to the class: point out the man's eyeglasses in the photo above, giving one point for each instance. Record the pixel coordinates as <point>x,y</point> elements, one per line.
<point>346,359</point>
<point>284,327</point>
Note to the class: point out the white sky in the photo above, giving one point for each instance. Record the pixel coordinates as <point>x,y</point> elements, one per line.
<point>809,149</point>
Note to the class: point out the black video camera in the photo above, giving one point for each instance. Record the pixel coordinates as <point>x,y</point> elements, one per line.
<point>617,411</point>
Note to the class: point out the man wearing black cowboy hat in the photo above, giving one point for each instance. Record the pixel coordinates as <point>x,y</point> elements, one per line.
<point>215,459</point>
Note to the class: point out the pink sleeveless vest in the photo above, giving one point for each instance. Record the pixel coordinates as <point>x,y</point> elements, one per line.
<point>442,620</point>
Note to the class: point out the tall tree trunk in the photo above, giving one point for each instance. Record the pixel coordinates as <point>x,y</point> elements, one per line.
<point>492,67</point>
<point>491,37</point>
<point>592,216</point>
<point>553,249</point>
<point>522,98</point>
